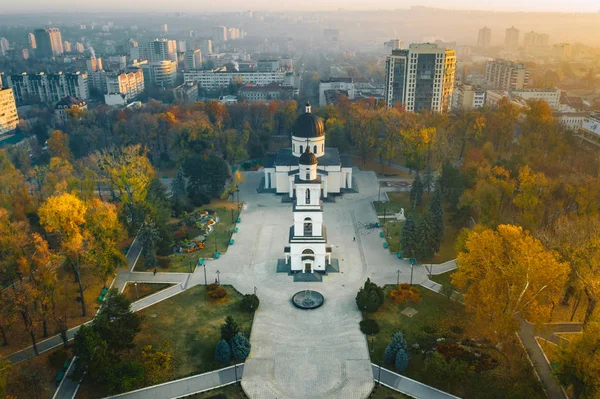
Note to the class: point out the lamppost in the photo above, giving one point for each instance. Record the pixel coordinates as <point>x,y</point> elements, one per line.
<point>372,345</point>
<point>412,265</point>
<point>137,295</point>
<point>205,281</point>
<point>398,279</point>
<point>384,214</point>
<point>379,192</point>
<point>216,245</point>
<point>218,279</point>
<point>255,291</point>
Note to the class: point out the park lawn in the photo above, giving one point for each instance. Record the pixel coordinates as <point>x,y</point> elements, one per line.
<point>382,170</point>
<point>217,240</point>
<point>447,319</point>
<point>444,279</point>
<point>563,313</point>
<point>550,349</point>
<point>35,377</point>
<point>192,324</point>
<point>143,290</point>
<point>393,228</point>
<point>231,391</point>
<point>19,339</point>
<point>383,392</point>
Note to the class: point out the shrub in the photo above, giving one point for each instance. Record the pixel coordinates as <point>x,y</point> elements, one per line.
<point>163,262</point>
<point>217,293</point>
<point>369,326</point>
<point>405,293</point>
<point>223,352</point>
<point>240,347</point>
<point>450,351</point>
<point>229,329</point>
<point>57,358</point>
<point>456,330</point>
<point>429,329</point>
<point>370,297</point>
<point>212,287</point>
<point>181,233</point>
<point>401,360</point>
<point>249,303</point>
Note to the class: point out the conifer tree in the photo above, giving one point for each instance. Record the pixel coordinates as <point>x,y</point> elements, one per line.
<point>401,362</point>
<point>416,192</point>
<point>240,347</point>
<point>426,237</point>
<point>223,352</point>
<point>408,238</point>
<point>437,215</point>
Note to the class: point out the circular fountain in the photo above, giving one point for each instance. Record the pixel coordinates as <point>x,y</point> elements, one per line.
<point>307,299</point>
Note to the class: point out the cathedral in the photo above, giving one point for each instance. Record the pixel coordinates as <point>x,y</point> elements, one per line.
<point>308,133</point>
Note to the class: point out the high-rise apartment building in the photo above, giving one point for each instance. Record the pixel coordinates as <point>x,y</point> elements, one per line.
<point>393,44</point>
<point>79,47</point>
<point>511,39</point>
<point>4,46</point>
<point>32,43</point>
<point>49,42</point>
<point>159,50</point>
<point>47,88</point>
<point>534,39</point>
<point>219,34</point>
<point>562,50</point>
<point>128,83</point>
<point>161,73</point>
<point>506,75</point>
<point>164,28</point>
<point>193,59</point>
<point>67,46</point>
<point>206,46</point>
<point>484,39</point>
<point>9,119</point>
<point>421,77</point>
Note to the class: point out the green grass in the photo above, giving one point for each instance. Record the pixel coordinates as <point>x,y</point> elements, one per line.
<point>192,324</point>
<point>143,290</point>
<point>439,317</point>
<point>383,392</point>
<point>227,392</point>
<point>444,279</point>
<point>393,228</point>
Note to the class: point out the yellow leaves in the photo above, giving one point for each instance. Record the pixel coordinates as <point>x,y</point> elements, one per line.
<point>64,213</point>
<point>428,135</point>
<point>58,145</point>
<point>507,273</point>
<point>533,193</point>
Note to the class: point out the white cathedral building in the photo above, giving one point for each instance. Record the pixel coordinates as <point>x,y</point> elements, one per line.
<point>334,172</point>
<point>307,251</point>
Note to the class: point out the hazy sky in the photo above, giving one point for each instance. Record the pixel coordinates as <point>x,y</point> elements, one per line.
<point>304,5</point>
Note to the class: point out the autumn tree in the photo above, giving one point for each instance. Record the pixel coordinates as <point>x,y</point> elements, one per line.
<point>468,126</point>
<point>58,145</point>
<point>533,195</point>
<point>4,372</point>
<point>159,363</point>
<point>506,275</point>
<point>500,124</point>
<point>14,193</point>
<point>578,364</point>
<point>149,236</point>
<point>364,129</point>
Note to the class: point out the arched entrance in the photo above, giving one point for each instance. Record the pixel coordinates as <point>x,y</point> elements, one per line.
<point>308,259</point>
<point>308,227</point>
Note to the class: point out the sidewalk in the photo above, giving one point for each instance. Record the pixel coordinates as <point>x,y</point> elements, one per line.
<point>407,386</point>
<point>189,385</point>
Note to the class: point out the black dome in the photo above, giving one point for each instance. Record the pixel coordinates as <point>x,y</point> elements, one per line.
<point>307,158</point>
<point>308,126</point>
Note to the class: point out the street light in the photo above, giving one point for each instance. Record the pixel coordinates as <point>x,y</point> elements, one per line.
<point>398,279</point>
<point>137,295</point>
<point>255,291</point>
<point>218,280</point>
<point>372,347</point>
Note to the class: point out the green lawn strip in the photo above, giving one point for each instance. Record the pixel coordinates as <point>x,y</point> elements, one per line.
<point>446,319</point>
<point>192,324</point>
<point>383,392</point>
<point>143,290</point>
<point>227,392</point>
<point>393,228</point>
<point>444,279</point>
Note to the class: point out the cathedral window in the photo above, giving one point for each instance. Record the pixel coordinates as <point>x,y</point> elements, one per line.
<point>301,149</point>
<point>315,151</point>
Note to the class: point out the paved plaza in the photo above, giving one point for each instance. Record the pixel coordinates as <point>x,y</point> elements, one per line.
<point>297,353</point>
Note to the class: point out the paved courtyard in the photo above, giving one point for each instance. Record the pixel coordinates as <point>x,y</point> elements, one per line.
<point>307,354</point>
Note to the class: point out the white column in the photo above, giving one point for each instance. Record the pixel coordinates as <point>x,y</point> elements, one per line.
<point>266,179</point>
<point>349,178</point>
<point>291,188</point>
<point>324,186</point>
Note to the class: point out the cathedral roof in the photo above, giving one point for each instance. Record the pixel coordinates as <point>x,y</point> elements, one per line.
<point>308,125</point>
<point>307,157</point>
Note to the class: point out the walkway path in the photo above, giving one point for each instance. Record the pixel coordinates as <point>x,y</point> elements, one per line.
<point>189,385</point>
<point>407,385</point>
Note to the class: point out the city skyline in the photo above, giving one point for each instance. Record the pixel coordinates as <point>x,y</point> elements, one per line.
<point>578,6</point>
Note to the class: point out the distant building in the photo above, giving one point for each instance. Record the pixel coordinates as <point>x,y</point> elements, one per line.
<point>31,38</point>
<point>331,35</point>
<point>69,102</point>
<point>484,38</point>
<point>193,59</point>
<point>220,77</point>
<point>511,39</point>
<point>273,91</point>
<point>9,119</point>
<point>158,50</point>
<point>562,50</point>
<point>129,83</point>
<point>590,129</point>
<point>47,88</point>
<point>421,77</point>
<point>79,47</point>
<point>534,39</point>
<point>186,93</point>
<point>343,85</point>
<point>206,46</point>
<point>219,34</point>
<point>521,97</point>
<point>393,44</point>
<point>234,34</point>
<point>506,75</point>
<point>161,73</point>
<point>164,28</point>
<point>49,42</point>
<point>67,47</point>
<point>4,46</point>
<point>467,97</point>
<point>267,66</point>
<point>228,99</point>
<point>572,120</point>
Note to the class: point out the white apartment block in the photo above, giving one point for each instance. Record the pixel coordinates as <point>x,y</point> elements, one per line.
<point>421,77</point>
<point>551,96</point>
<point>9,119</point>
<point>130,84</point>
<point>467,97</point>
<point>47,88</point>
<point>572,120</point>
<point>506,75</point>
<point>193,59</point>
<point>341,84</point>
<point>162,73</point>
<point>220,77</point>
